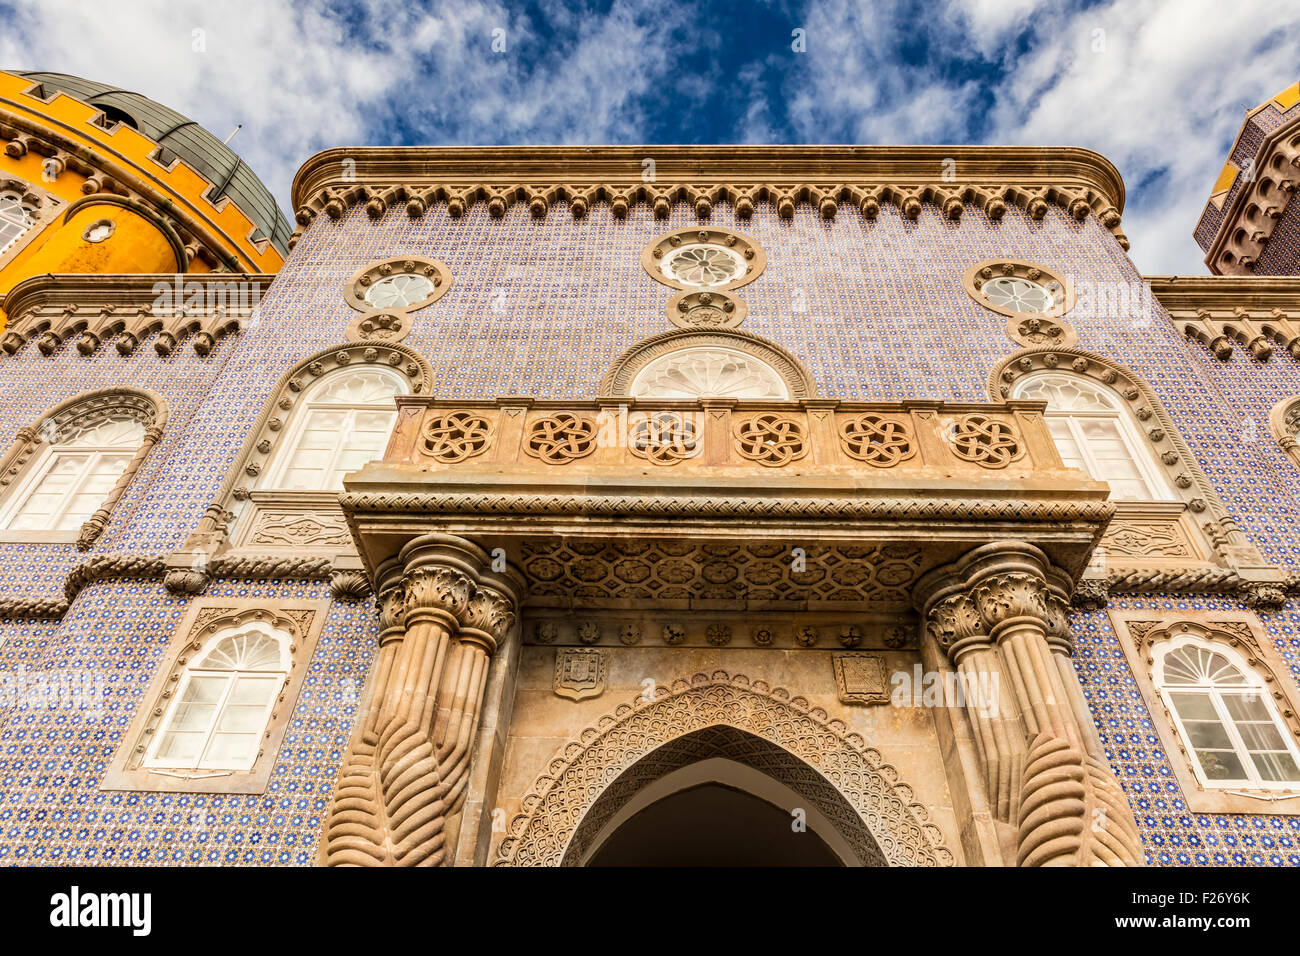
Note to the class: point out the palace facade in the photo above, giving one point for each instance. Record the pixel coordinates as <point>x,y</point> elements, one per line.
<point>615,505</point>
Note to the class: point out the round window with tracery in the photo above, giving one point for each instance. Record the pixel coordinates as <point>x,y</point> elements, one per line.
<point>1018,295</point>
<point>699,259</point>
<point>402,284</point>
<point>703,266</point>
<point>1013,287</point>
<point>399,291</point>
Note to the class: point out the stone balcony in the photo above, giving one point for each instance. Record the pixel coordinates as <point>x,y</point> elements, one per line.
<point>723,505</point>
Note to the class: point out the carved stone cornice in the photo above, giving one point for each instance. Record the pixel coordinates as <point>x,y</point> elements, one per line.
<point>1256,312</point>
<point>1259,205</point>
<point>92,310</point>
<point>949,177</point>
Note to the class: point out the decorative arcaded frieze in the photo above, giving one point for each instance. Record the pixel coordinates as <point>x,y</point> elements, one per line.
<point>1258,313</point>
<point>1259,204</point>
<point>950,199</point>
<point>91,311</point>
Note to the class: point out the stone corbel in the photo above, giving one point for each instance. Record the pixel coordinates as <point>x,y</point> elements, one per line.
<point>443,613</point>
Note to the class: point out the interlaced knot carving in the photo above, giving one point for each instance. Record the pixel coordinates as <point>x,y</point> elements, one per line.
<point>985,441</point>
<point>665,438</point>
<point>882,442</point>
<point>561,438</point>
<point>455,436</point>
<point>771,439</point>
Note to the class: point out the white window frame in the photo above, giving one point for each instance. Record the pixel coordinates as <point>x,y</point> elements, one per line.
<point>26,226</point>
<point>37,471</point>
<point>1253,683</point>
<point>283,457</point>
<point>1139,453</point>
<point>152,762</point>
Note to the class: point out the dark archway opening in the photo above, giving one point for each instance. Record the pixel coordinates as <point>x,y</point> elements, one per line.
<point>712,825</point>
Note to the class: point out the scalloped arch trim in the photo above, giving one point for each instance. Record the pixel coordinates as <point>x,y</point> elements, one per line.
<point>581,772</point>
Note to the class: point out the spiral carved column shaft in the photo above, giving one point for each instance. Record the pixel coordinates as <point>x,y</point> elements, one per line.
<point>442,616</point>
<point>1001,612</point>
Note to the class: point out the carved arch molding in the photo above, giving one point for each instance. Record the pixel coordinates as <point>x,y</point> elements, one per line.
<point>598,772</point>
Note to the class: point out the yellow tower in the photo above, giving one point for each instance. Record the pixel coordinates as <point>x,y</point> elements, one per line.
<point>95,179</point>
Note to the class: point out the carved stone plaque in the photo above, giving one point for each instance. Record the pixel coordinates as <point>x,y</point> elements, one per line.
<point>860,678</point>
<point>579,673</point>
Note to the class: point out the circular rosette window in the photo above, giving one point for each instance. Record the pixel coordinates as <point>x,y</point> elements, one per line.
<point>703,259</point>
<point>403,284</point>
<point>1016,288</point>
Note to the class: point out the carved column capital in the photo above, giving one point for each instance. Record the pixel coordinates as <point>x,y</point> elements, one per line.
<point>488,618</point>
<point>438,594</point>
<point>1011,598</point>
<point>954,624</point>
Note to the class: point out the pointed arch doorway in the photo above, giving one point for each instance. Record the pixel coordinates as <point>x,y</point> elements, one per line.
<point>721,810</point>
<point>643,753</point>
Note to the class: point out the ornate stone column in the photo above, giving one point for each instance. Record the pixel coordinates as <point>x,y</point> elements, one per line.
<point>1000,612</point>
<point>442,614</point>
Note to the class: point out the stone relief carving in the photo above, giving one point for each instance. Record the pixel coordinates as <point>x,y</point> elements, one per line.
<point>664,438</point>
<point>985,441</point>
<point>882,442</point>
<point>675,569</point>
<point>860,678</point>
<point>560,439</point>
<point>898,826</point>
<point>706,310</point>
<point>771,439</point>
<point>579,674</point>
<point>455,436</point>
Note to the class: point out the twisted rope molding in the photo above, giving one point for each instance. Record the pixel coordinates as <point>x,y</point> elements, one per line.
<point>145,566</point>
<point>620,505</point>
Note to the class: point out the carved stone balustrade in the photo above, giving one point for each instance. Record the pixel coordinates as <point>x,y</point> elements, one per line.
<point>724,504</point>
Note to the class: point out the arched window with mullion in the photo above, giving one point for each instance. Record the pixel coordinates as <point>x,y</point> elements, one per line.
<point>1094,432</point>
<point>223,701</point>
<point>72,476</point>
<point>1225,715</point>
<point>343,421</point>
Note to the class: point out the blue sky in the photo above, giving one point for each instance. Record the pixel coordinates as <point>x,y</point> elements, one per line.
<point>1157,87</point>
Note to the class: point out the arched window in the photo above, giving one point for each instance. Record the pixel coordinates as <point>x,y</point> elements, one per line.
<point>343,422</point>
<point>1225,715</point>
<point>15,219</point>
<point>223,700</point>
<point>709,373</point>
<point>74,472</point>
<point>1094,431</point>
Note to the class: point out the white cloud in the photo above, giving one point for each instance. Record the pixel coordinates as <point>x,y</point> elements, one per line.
<point>1156,86</point>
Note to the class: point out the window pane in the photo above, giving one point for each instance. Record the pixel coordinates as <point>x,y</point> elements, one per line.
<point>1065,443</point>
<point>45,501</point>
<point>190,721</point>
<point>1276,766</point>
<point>1221,765</point>
<point>1247,707</point>
<point>1194,706</point>
<point>1261,736</point>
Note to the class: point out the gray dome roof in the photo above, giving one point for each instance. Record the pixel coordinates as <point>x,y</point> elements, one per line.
<point>181,137</point>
